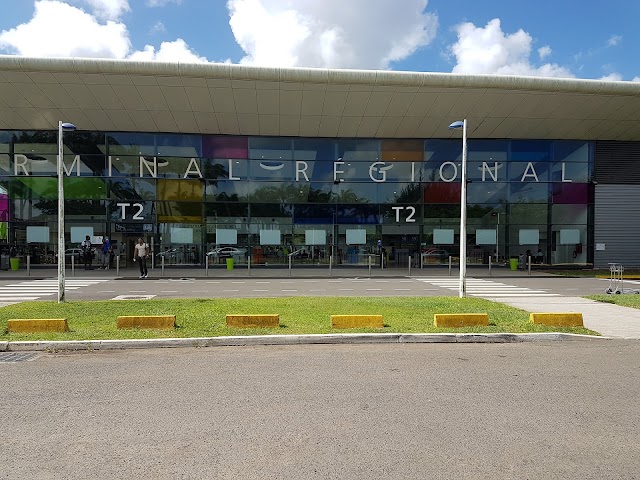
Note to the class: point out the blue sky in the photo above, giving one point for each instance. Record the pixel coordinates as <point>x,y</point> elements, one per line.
<point>564,38</point>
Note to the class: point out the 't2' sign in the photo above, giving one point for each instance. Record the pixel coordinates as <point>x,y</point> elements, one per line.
<point>409,218</point>
<point>137,215</point>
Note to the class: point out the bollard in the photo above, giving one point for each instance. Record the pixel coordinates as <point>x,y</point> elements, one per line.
<point>249,265</point>
<point>28,265</point>
<point>409,265</point>
<point>369,265</point>
<point>529,264</point>
<point>330,263</point>
<point>206,265</point>
<point>290,256</point>
<point>153,257</point>
<point>489,264</point>
<point>118,266</point>
<point>73,265</point>
<point>163,265</point>
<point>449,265</point>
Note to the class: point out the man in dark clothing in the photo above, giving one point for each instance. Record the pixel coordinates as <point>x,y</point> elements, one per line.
<point>86,252</point>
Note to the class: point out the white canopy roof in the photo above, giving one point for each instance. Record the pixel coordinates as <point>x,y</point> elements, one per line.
<point>120,95</point>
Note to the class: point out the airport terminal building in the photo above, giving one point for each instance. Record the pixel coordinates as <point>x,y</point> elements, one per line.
<point>267,162</point>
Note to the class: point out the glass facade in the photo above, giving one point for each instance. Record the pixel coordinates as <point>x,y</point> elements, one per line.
<point>270,197</point>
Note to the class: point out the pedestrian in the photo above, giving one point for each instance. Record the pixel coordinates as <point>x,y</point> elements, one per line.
<point>87,254</point>
<point>140,253</point>
<point>105,251</point>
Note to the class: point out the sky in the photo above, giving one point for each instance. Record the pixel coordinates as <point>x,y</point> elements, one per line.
<point>550,38</point>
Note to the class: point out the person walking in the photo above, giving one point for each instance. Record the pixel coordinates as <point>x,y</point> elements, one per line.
<point>105,251</point>
<point>87,254</point>
<point>141,251</point>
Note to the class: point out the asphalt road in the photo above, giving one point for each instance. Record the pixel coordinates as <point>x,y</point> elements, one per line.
<point>104,288</point>
<point>566,411</point>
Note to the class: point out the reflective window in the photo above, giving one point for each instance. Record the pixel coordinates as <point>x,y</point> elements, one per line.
<point>315,149</point>
<point>442,193</point>
<point>84,143</point>
<point>529,171</point>
<point>214,168</point>
<point>34,188</point>
<point>271,170</point>
<point>180,190</point>
<point>575,172</point>
<point>357,214</point>
<point>572,151</point>
<point>225,147</point>
<point>531,150</point>
<point>487,192</point>
<point>399,193</point>
<point>131,144</point>
<point>529,192</point>
<point>270,148</point>
<point>226,213</point>
<point>569,214</point>
<point>139,211</point>
<point>403,150</point>
<point>179,145</point>
<point>359,150</point>
<point>35,142</point>
<point>528,213</point>
<point>227,191</point>
<point>5,141</point>
<point>570,193</point>
<point>132,189</point>
<point>438,151</point>
<point>85,188</point>
<point>268,212</point>
<point>179,212</point>
<point>5,165</point>
<point>314,214</point>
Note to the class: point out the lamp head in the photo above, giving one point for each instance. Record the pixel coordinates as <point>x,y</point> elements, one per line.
<point>68,127</point>
<point>457,124</point>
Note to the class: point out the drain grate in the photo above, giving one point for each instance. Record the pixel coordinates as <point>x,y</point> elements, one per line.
<point>12,357</point>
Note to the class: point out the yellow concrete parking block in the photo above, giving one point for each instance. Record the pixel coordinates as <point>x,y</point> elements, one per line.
<point>455,320</point>
<point>253,321</point>
<point>147,321</point>
<point>33,325</point>
<point>356,321</point>
<point>566,319</point>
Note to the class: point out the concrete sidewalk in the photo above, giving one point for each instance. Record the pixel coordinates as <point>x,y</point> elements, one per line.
<point>605,318</point>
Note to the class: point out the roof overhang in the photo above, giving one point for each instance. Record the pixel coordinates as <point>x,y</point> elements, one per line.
<point>120,95</point>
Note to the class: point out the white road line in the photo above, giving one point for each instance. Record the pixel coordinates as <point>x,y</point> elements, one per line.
<point>230,290</point>
<point>290,290</point>
<point>18,299</point>
<point>24,294</point>
<point>264,282</point>
<point>402,289</point>
<point>499,295</point>
<point>374,289</point>
<point>318,290</point>
<point>168,291</point>
<point>261,290</point>
<point>345,289</point>
<point>310,281</point>
<point>405,281</point>
<point>237,282</point>
<point>382,281</point>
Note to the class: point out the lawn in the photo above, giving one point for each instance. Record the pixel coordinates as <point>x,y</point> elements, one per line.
<point>630,300</point>
<point>298,315</point>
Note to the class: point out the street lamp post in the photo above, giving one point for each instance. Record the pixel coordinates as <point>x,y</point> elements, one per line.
<point>62,127</point>
<point>462,291</point>
<point>497,236</point>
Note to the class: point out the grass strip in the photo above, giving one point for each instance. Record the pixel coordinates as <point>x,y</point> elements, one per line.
<point>626,300</point>
<point>298,315</point>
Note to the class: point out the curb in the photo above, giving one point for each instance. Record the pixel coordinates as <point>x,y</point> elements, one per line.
<point>316,339</point>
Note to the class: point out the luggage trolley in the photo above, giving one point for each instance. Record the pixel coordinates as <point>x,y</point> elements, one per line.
<point>616,284</point>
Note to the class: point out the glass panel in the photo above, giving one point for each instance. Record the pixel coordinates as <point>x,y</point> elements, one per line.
<point>488,171</point>
<point>314,214</point>
<point>5,165</point>
<point>34,188</point>
<point>217,168</point>
<point>228,191</point>
<point>439,151</point>
<point>179,212</point>
<point>270,148</point>
<point>529,172</point>
<point>139,211</point>
<point>358,214</point>
<point>226,213</point>
<point>570,193</point>
<point>315,149</point>
<point>528,213</point>
<point>359,150</point>
<point>399,193</point>
<point>131,144</point>
<point>575,172</point>
<point>35,164</point>
<point>356,192</point>
<point>270,212</point>
<point>225,147</point>
<point>85,143</point>
<point>569,214</point>
<point>529,192</point>
<point>179,145</point>
<point>271,170</point>
<point>85,188</point>
<point>403,150</point>
<point>132,189</point>
<point>5,141</point>
<point>180,190</point>
<point>531,150</point>
<point>489,151</point>
<point>487,192</point>
<point>175,167</point>
<point>36,142</point>
<point>572,151</point>
<point>442,193</point>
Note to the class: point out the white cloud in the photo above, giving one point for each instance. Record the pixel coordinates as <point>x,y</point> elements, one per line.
<point>614,40</point>
<point>331,33</point>
<point>109,9</point>
<point>612,77</point>
<point>60,30</point>
<point>636,79</point>
<point>158,27</point>
<point>176,51</point>
<point>162,3</point>
<point>544,52</point>
<point>489,50</point>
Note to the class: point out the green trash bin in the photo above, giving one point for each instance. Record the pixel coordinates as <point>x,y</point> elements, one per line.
<point>15,263</point>
<point>513,263</point>
<point>229,263</point>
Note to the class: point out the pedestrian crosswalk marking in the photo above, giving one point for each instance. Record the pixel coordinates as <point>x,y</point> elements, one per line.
<point>35,289</point>
<point>487,288</point>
